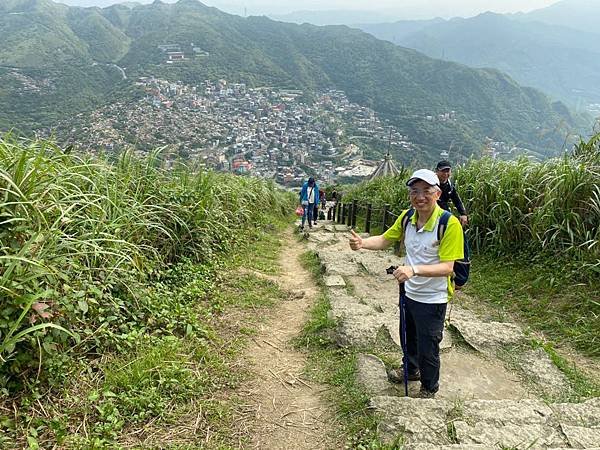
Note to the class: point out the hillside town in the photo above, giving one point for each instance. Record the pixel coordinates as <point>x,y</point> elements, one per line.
<point>266,132</point>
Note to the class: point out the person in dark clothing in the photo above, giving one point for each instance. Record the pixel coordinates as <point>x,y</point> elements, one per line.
<point>449,193</point>
<point>333,197</point>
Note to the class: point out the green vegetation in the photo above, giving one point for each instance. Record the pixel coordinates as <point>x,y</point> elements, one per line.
<point>403,85</point>
<point>542,294</point>
<point>583,386</point>
<point>560,61</point>
<point>535,229</point>
<point>542,211</point>
<point>111,321</point>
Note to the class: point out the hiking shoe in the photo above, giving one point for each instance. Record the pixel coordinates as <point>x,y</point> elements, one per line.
<point>397,375</point>
<point>424,393</point>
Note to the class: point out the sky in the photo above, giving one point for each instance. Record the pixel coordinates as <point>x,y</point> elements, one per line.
<point>401,9</point>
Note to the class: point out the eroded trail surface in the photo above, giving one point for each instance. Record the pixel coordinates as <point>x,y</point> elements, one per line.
<point>288,411</point>
<point>498,390</point>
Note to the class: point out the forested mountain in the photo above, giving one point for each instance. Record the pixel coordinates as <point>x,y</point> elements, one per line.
<point>58,60</point>
<point>560,61</point>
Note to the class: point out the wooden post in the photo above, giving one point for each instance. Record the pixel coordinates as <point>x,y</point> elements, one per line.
<point>349,218</point>
<point>343,218</point>
<point>354,213</point>
<point>368,219</point>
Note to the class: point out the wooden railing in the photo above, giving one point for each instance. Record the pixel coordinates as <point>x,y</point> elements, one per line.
<point>367,217</point>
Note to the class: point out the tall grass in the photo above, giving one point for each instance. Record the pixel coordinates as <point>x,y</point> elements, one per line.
<point>546,210</point>
<point>78,237</point>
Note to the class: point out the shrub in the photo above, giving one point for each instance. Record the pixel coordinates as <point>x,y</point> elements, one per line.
<point>80,238</point>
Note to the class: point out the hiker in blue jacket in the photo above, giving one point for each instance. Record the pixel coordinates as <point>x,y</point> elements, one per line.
<point>309,197</point>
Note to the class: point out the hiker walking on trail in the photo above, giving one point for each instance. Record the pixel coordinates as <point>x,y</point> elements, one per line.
<point>443,171</point>
<point>449,193</point>
<point>426,275</point>
<point>309,197</point>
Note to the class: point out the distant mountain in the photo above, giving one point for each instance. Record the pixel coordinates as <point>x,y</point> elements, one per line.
<point>331,17</point>
<point>560,61</point>
<point>397,32</point>
<point>583,15</point>
<point>63,60</point>
<point>100,3</point>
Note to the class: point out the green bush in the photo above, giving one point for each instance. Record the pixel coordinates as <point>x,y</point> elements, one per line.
<point>81,239</point>
<point>547,211</point>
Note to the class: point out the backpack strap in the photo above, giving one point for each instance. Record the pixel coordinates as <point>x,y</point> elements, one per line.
<point>406,218</point>
<point>443,224</point>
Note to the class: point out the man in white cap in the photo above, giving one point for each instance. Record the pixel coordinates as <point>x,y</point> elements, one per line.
<point>426,276</point>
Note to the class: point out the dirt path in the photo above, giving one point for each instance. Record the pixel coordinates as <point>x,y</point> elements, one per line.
<point>289,412</point>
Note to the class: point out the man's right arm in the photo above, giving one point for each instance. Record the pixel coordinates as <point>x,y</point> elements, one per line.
<point>370,243</point>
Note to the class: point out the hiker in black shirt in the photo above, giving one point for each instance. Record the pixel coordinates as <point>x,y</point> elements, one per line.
<point>444,170</point>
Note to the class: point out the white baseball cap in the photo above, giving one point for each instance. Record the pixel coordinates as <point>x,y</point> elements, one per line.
<point>426,175</point>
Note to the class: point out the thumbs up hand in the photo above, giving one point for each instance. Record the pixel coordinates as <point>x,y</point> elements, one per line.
<point>356,241</point>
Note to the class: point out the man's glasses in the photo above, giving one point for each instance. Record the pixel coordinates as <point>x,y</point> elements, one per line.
<point>416,192</point>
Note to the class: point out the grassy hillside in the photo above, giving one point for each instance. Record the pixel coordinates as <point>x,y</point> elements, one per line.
<point>106,43</point>
<point>83,242</point>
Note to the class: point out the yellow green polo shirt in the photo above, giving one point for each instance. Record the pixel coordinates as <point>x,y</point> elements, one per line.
<point>423,248</point>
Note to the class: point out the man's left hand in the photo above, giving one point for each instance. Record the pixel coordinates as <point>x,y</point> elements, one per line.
<point>403,273</point>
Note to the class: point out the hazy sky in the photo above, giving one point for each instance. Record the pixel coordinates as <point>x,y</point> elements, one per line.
<point>403,9</point>
<point>430,8</point>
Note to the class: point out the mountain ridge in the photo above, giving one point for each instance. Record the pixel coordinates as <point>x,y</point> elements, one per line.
<point>402,84</point>
<point>558,60</point>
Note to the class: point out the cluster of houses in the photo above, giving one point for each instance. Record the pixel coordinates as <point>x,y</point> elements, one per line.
<point>174,53</point>
<point>28,85</point>
<point>444,117</point>
<point>495,149</point>
<point>227,126</point>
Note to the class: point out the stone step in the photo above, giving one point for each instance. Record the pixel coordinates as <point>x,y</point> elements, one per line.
<point>493,423</point>
<point>481,404</point>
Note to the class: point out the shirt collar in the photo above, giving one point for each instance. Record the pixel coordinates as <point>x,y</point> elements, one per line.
<point>430,224</point>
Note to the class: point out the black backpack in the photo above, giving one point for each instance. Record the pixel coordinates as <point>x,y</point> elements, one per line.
<point>462,267</point>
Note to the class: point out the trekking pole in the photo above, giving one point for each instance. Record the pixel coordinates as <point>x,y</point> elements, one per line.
<point>402,329</point>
